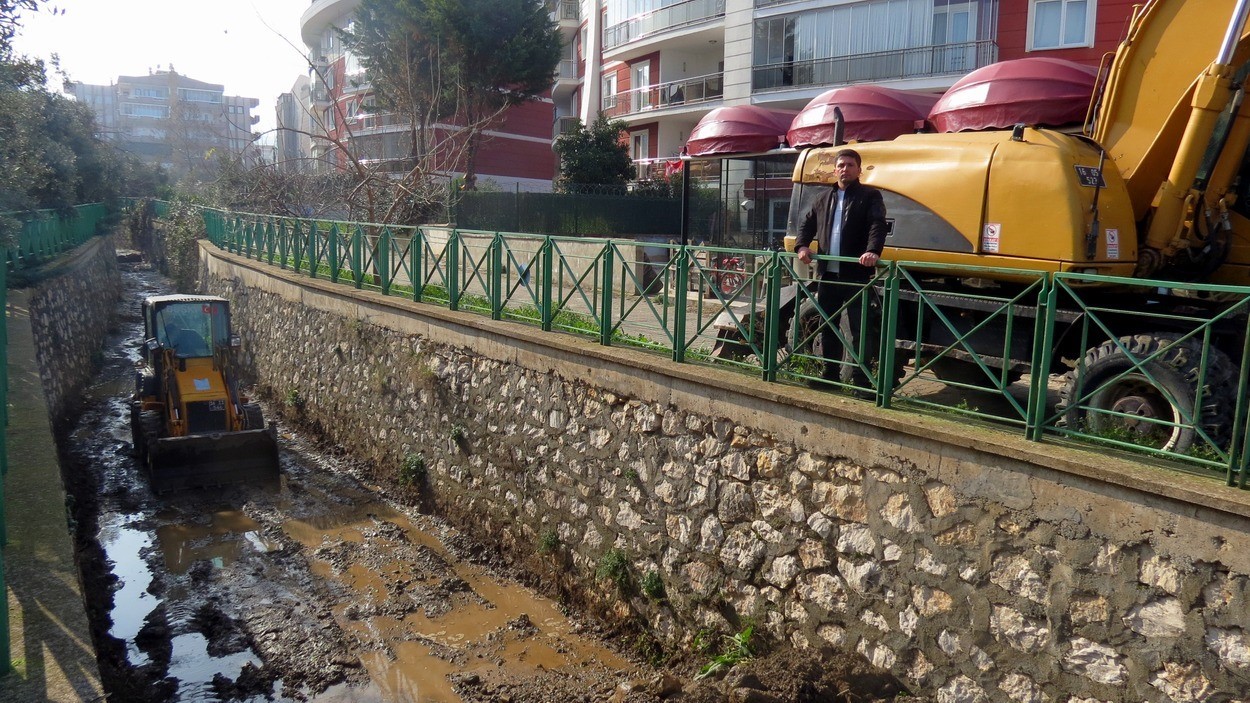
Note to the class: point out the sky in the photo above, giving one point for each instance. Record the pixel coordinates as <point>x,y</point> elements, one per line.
<point>252,47</point>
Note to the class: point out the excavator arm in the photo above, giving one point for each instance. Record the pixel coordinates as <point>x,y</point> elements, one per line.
<point>1172,120</point>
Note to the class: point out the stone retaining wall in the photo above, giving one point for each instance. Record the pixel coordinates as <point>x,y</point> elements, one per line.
<point>975,566</point>
<point>71,309</point>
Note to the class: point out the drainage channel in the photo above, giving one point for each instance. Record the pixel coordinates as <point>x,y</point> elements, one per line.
<point>319,589</point>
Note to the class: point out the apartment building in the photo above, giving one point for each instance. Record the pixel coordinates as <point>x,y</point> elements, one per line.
<point>172,121</point>
<point>293,140</point>
<point>661,65</point>
<point>515,154</point>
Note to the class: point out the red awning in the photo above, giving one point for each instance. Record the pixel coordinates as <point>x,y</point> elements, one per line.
<point>869,113</point>
<point>741,129</point>
<point>1034,91</point>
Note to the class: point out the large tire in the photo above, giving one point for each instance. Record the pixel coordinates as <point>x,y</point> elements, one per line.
<point>146,430</point>
<point>1175,371</point>
<point>253,417</point>
<point>145,383</point>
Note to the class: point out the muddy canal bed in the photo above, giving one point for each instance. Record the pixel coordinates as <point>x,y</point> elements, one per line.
<point>317,589</point>
<point>321,589</point>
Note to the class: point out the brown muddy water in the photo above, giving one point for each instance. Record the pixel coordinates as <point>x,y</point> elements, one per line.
<point>317,590</point>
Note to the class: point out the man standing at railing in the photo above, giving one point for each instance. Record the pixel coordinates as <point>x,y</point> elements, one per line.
<point>847,221</point>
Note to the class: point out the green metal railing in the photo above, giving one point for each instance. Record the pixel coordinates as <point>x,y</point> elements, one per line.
<point>918,343</point>
<point>46,234</point>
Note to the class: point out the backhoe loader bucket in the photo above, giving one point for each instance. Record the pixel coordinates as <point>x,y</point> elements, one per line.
<point>200,461</point>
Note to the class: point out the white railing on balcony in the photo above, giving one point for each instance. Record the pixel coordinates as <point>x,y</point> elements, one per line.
<point>671,17</point>
<point>567,70</point>
<point>564,125</point>
<point>687,91</point>
<point>935,60</point>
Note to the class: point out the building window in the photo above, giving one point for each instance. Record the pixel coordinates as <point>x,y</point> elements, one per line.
<point>860,41</point>
<point>158,93</point>
<point>1061,24</point>
<point>199,96</point>
<point>138,110</point>
<point>609,91</point>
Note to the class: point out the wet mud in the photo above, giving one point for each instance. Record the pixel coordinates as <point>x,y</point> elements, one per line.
<point>323,589</point>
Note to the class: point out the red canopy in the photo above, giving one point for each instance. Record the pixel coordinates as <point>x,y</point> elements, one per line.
<point>869,112</point>
<point>1033,91</point>
<point>741,129</point>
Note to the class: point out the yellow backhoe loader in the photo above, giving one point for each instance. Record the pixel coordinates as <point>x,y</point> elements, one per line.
<point>191,425</point>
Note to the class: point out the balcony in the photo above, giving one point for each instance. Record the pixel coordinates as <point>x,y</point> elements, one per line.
<point>919,62</point>
<point>565,10</point>
<point>564,125</point>
<point>688,91</point>
<point>321,96</point>
<point>662,20</point>
<point>566,15</point>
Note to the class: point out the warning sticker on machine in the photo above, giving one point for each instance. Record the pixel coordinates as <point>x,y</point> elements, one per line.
<point>989,239</point>
<point>1113,244</point>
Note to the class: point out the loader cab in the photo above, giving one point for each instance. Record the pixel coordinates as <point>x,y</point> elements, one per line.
<point>192,326</point>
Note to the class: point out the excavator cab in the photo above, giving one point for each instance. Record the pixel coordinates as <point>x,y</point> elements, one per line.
<point>191,425</point>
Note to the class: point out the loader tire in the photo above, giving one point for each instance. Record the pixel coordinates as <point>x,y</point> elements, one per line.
<point>145,384</point>
<point>1101,396</point>
<point>253,416</point>
<point>148,431</point>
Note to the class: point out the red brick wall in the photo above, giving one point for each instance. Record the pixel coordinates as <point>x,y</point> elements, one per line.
<point>1110,26</point>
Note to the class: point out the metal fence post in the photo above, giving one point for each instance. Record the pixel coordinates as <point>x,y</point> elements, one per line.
<point>453,270</point>
<point>416,254</point>
<point>284,243</point>
<point>605,294</point>
<point>889,333</point>
<point>358,256</point>
<point>772,316</point>
<point>1039,365</point>
<point>334,256</point>
<point>682,282</point>
<point>382,260</point>
<point>496,282</point>
<point>547,302</point>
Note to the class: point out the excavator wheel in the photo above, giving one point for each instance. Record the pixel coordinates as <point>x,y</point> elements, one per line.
<point>1151,403</point>
<point>253,416</point>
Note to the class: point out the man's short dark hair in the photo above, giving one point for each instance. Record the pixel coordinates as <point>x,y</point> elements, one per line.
<point>852,154</point>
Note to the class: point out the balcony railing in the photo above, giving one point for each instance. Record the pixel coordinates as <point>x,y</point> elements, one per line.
<point>936,60</point>
<point>671,17</point>
<point>567,70</point>
<point>562,10</point>
<point>688,91</point>
<point>563,125</point>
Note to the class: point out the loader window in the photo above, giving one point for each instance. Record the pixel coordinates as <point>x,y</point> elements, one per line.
<point>192,328</point>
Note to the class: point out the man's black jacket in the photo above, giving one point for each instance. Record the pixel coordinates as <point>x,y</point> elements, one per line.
<point>863,227</point>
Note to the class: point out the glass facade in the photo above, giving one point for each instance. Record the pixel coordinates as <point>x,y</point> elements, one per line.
<point>878,39</point>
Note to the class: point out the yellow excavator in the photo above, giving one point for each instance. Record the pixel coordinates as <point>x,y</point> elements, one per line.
<point>191,425</point>
<point>1153,187</point>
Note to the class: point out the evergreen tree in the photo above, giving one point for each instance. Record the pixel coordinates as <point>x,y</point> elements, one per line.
<point>594,155</point>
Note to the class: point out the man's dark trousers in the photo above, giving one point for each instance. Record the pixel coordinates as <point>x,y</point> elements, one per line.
<point>832,293</point>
